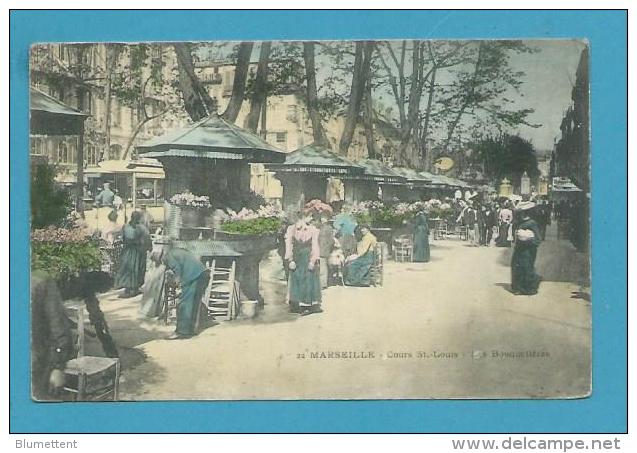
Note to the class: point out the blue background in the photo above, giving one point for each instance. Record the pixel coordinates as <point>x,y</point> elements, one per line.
<point>605,411</point>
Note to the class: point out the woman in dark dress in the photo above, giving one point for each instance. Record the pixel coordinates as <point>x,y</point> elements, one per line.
<point>132,264</point>
<point>302,253</point>
<point>421,252</point>
<point>524,280</point>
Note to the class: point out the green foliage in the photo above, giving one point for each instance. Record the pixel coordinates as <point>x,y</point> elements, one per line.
<point>506,156</point>
<point>50,203</point>
<point>67,259</point>
<point>383,217</point>
<point>258,226</point>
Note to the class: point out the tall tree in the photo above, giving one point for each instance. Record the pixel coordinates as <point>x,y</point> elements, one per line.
<point>318,132</point>
<point>362,63</point>
<point>484,87</point>
<point>112,54</point>
<point>239,83</point>
<point>260,91</point>
<point>197,101</point>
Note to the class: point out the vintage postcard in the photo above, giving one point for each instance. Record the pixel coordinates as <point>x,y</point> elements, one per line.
<point>404,219</point>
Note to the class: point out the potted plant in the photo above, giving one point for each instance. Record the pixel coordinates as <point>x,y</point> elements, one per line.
<point>192,207</point>
<point>65,254</point>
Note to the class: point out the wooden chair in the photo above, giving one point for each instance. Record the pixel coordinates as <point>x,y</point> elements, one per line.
<point>90,378</point>
<point>377,271</point>
<point>171,293</point>
<point>403,248</point>
<point>221,298</point>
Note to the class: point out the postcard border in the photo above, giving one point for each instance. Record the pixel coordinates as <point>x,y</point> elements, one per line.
<point>604,412</point>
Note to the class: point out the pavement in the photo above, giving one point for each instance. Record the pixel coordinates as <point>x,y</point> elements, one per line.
<point>449,328</point>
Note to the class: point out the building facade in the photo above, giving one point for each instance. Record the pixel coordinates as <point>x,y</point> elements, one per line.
<point>571,154</point>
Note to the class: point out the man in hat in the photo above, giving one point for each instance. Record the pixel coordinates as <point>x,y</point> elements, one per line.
<point>194,278</point>
<point>524,280</point>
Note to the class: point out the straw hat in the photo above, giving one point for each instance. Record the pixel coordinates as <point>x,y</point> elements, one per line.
<point>524,206</point>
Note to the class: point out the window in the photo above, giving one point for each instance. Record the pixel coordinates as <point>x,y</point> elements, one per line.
<point>292,114</point>
<point>92,155</point>
<point>115,151</point>
<point>38,146</point>
<point>281,137</point>
<point>63,153</point>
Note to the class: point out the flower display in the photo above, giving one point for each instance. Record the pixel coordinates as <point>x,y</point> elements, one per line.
<point>190,200</point>
<point>263,212</point>
<point>265,220</point>
<point>64,252</point>
<point>317,207</point>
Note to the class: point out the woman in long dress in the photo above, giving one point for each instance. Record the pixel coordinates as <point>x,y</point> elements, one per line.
<point>132,265</point>
<point>357,271</point>
<point>421,252</point>
<point>153,289</point>
<point>505,218</point>
<point>302,253</point>
<point>524,280</point>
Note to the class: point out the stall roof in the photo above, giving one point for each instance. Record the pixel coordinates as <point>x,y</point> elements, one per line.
<point>435,180</point>
<point>144,168</point>
<point>42,102</point>
<point>411,175</point>
<point>316,159</point>
<point>213,138</point>
<point>375,170</point>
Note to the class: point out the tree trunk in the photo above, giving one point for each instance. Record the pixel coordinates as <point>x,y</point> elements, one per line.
<point>362,62</point>
<point>197,101</point>
<point>426,154</point>
<point>415,92</point>
<point>260,94</point>
<point>112,53</point>
<point>239,82</point>
<point>368,119</point>
<point>320,138</point>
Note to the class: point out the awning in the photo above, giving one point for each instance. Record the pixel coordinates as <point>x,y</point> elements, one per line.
<point>412,176</point>
<point>317,160</point>
<point>377,171</point>
<point>48,116</point>
<point>145,168</point>
<point>213,138</point>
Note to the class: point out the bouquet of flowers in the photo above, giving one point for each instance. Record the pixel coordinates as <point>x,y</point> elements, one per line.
<point>317,207</point>
<point>265,220</point>
<point>64,252</point>
<point>190,200</point>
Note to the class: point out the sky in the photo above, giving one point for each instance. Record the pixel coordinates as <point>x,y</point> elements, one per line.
<point>549,80</point>
<point>547,85</point>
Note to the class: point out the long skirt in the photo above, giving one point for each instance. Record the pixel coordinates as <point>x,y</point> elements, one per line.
<point>191,294</point>
<point>358,271</point>
<point>131,264</point>
<point>503,236</point>
<point>421,245</point>
<point>524,280</point>
<point>323,272</point>
<point>151,304</point>
<point>304,284</point>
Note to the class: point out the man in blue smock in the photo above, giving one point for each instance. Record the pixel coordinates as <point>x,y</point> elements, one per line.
<point>194,278</point>
<point>345,225</point>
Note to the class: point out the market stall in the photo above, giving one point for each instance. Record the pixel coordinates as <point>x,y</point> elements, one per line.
<point>207,171</point>
<point>416,184</point>
<point>378,181</point>
<point>305,172</point>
